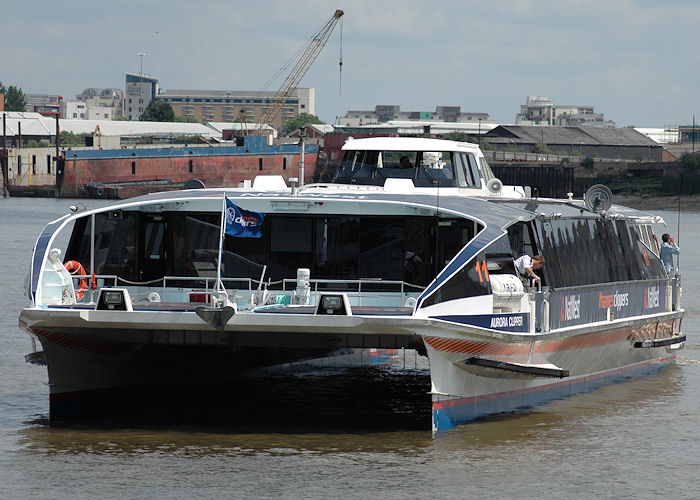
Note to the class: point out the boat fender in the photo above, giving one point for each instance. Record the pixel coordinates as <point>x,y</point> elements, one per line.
<point>76,268</point>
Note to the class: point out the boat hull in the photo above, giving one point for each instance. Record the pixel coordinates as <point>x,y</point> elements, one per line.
<point>95,358</point>
<point>103,363</point>
<point>223,386</point>
<point>473,378</point>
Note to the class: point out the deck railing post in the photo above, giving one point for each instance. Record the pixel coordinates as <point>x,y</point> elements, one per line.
<point>545,311</point>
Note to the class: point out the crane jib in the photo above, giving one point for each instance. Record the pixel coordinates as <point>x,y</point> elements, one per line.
<point>308,56</point>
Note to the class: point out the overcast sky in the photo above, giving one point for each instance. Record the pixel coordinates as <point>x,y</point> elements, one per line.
<point>634,60</point>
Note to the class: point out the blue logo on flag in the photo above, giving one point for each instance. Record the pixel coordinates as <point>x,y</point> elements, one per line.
<point>243,223</point>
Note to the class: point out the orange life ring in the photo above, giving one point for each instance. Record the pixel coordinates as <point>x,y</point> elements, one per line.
<point>76,268</point>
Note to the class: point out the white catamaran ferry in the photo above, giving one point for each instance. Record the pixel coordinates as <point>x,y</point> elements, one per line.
<point>412,246</point>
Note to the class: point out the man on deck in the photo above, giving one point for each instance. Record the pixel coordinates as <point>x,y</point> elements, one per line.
<point>668,250</point>
<point>525,266</point>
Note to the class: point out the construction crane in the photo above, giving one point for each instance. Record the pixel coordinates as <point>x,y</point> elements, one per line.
<point>309,53</point>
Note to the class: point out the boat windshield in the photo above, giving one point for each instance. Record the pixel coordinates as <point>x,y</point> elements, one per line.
<point>424,168</point>
<point>141,247</point>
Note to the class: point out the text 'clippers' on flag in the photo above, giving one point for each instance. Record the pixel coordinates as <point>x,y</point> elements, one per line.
<point>243,223</point>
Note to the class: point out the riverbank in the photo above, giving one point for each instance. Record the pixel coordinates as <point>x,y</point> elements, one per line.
<point>649,203</point>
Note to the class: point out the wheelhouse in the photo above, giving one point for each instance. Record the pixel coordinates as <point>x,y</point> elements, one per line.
<point>426,163</point>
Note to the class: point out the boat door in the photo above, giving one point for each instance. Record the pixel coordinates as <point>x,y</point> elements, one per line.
<point>154,258</point>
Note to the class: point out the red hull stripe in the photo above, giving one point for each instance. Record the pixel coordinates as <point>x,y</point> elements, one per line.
<point>76,342</point>
<point>596,339</point>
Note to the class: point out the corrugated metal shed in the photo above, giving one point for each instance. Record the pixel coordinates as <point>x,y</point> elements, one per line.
<point>133,128</point>
<point>221,126</point>
<point>34,124</point>
<point>607,136</point>
<point>322,128</point>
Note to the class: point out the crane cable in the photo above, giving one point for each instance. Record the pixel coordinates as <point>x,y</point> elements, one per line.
<point>340,64</point>
<point>285,66</point>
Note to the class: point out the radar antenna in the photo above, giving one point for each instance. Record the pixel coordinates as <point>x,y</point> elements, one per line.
<point>598,198</point>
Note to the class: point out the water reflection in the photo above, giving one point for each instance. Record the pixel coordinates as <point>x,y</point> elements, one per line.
<point>196,442</point>
<point>562,419</point>
<point>546,425</point>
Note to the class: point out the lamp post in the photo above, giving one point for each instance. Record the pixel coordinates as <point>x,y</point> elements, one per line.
<point>141,54</point>
<point>302,136</point>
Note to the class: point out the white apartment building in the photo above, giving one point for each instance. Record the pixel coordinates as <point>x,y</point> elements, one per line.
<point>74,110</point>
<point>542,111</point>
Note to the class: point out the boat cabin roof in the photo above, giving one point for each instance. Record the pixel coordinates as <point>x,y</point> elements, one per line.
<point>424,162</point>
<point>407,144</point>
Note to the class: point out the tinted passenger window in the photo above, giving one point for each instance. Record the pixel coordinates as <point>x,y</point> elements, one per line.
<point>381,248</point>
<point>581,252</point>
<point>336,247</point>
<point>112,259</point>
<point>290,246</point>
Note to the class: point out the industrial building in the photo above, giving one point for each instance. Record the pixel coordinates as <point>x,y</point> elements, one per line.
<point>44,104</point>
<point>385,113</point>
<point>238,105</point>
<point>598,142</point>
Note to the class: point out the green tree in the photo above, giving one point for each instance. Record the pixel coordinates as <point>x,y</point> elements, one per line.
<point>457,136</point>
<point>14,98</point>
<point>158,111</point>
<point>587,162</point>
<point>70,139</point>
<point>186,119</point>
<point>542,148</point>
<point>299,121</point>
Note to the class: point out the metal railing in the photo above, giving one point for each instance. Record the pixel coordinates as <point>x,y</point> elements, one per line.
<point>349,285</point>
<point>359,289</point>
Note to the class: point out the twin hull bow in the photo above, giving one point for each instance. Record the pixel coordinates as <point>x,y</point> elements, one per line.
<point>89,351</point>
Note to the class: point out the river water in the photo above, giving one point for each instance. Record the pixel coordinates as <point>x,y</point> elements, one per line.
<point>636,439</point>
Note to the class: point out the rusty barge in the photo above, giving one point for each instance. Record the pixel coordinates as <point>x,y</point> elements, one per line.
<point>125,172</point>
